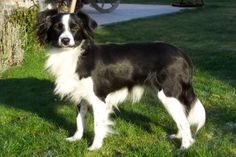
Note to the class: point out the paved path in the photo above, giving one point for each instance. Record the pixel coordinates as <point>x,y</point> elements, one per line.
<point>126,12</point>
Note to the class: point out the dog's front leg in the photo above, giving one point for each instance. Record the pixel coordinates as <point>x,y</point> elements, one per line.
<point>80,122</point>
<point>101,113</point>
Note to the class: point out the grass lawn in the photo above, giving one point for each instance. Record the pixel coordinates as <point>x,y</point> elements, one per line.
<point>34,122</point>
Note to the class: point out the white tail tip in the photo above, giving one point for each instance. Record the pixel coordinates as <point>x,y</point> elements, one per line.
<point>197,115</point>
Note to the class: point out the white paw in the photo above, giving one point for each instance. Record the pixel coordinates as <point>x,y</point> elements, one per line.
<point>72,139</point>
<point>96,145</point>
<point>175,136</point>
<point>93,148</point>
<point>186,143</point>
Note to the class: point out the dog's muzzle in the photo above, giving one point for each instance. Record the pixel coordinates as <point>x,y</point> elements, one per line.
<point>66,40</point>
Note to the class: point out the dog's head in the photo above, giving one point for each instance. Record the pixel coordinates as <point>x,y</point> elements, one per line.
<point>63,30</point>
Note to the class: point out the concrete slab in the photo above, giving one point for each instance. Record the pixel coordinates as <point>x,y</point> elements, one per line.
<point>126,12</point>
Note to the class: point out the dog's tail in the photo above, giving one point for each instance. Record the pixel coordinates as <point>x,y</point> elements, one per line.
<point>195,111</point>
<point>197,115</point>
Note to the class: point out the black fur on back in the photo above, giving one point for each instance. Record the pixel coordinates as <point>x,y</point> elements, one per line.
<point>157,65</point>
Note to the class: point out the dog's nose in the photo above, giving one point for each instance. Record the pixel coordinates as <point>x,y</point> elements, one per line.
<point>65,41</point>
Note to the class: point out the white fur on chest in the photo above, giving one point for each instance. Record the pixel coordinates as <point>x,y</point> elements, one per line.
<point>62,64</point>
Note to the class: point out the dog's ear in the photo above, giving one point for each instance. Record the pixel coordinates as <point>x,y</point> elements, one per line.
<point>44,23</point>
<point>89,24</point>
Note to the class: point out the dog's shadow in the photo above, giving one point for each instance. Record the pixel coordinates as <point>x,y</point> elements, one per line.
<point>33,95</point>
<point>140,120</point>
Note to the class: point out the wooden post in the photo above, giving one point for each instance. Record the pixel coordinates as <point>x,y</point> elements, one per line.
<point>72,6</point>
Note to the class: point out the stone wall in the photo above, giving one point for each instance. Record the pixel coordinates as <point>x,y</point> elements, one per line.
<point>19,3</point>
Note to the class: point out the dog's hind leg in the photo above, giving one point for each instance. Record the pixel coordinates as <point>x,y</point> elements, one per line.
<point>196,117</point>
<point>80,122</point>
<point>177,111</point>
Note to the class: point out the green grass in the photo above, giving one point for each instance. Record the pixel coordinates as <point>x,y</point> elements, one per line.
<point>34,122</point>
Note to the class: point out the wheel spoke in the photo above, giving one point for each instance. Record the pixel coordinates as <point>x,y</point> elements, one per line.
<point>103,4</point>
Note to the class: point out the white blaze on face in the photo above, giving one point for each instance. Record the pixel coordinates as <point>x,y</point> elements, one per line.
<point>67,33</point>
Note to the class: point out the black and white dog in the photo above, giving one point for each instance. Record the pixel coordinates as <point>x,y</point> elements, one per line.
<point>103,76</point>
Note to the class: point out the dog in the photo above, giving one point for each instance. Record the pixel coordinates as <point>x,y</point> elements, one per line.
<point>103,76</point>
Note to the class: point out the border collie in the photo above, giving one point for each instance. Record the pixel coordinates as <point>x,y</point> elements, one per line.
<point>103,76</point>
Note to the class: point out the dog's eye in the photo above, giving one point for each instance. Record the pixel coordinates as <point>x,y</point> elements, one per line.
<point>74,26</point>
<point>59,26</point>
